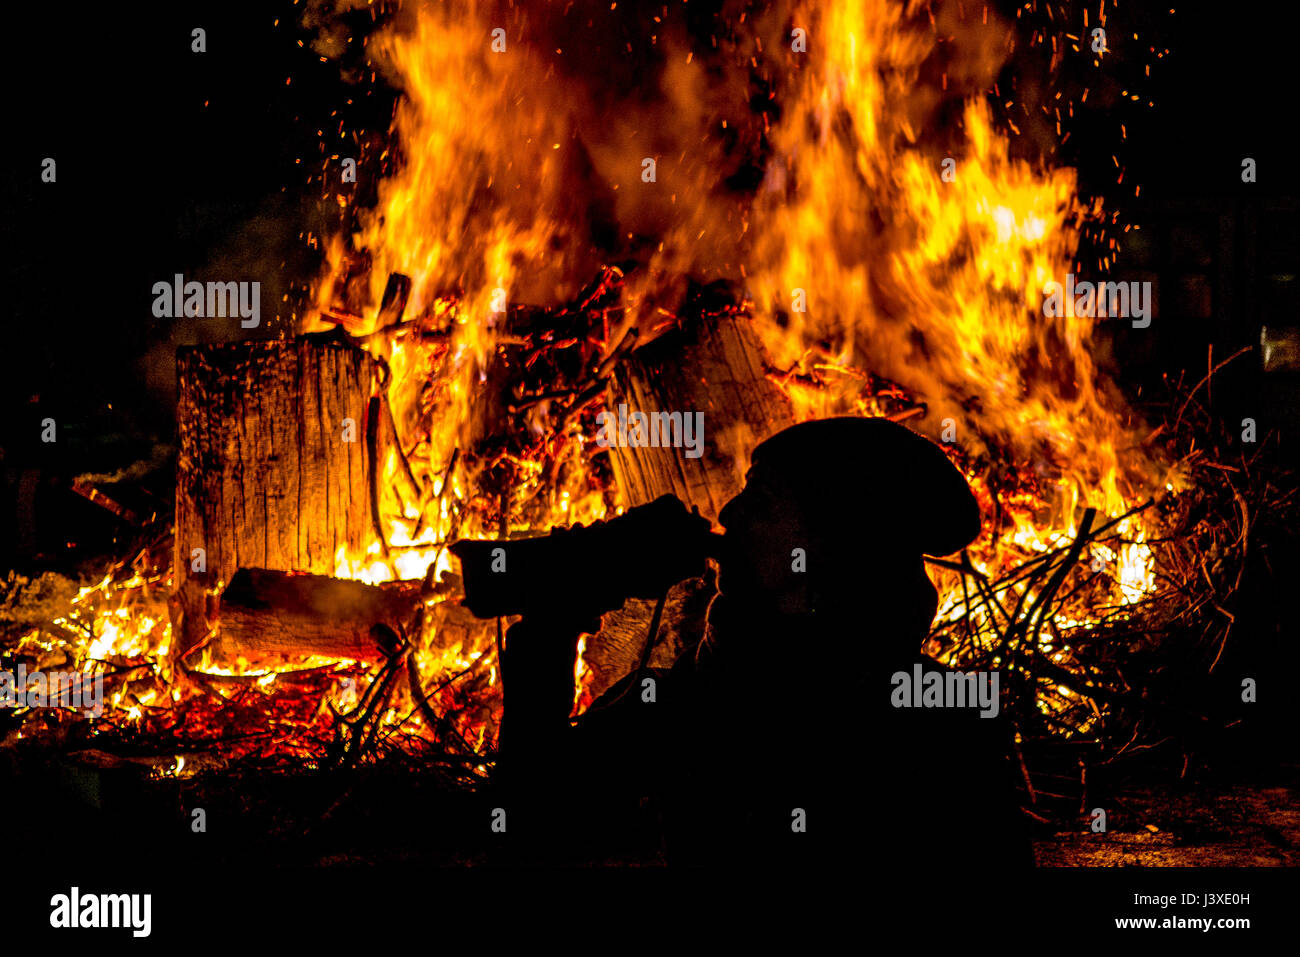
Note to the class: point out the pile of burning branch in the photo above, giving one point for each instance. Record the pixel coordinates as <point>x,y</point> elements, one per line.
<point>1111,673</point>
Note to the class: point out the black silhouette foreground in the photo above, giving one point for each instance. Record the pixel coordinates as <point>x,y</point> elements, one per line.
<point>773,741</point>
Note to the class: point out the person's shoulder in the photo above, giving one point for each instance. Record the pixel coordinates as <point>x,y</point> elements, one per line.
<point>626,698</point>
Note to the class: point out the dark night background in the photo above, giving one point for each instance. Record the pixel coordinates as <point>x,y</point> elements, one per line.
<point>152,182</point>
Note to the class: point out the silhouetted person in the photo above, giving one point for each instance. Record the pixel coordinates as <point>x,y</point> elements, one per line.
<point>777,738</point>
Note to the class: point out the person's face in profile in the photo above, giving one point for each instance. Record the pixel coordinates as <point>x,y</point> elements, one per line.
<point>763,527</point>
<point>765,523</point>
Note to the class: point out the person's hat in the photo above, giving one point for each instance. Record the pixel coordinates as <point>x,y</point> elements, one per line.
<point>874,478</point>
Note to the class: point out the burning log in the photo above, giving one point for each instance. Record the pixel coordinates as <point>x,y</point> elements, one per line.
<point>715,366</point>
<point>272,468</point>
<point>269,613</point>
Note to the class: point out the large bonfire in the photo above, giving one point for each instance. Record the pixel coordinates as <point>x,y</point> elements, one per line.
<point>834,175</point>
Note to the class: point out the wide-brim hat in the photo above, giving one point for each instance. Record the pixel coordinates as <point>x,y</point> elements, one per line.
<point>874,478</point>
